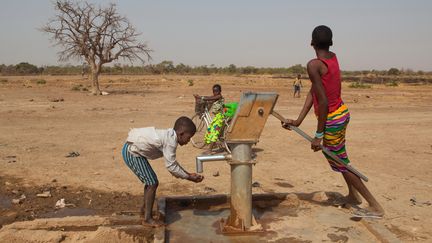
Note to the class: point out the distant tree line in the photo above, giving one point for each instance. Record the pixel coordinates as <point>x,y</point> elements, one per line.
<point>168,67</point>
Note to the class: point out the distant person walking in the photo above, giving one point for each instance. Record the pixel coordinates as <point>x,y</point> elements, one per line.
<point>297,85</point>
<point>333,117</point>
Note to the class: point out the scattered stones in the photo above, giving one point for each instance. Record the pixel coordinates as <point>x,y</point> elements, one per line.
<point>19,200</point>
<point>45,194</point>
<point>414,202</point>
<point>72,154</point>
<point>62,203</point>
<point>216,173</point>
<point>320,197</point>
<point>256,184</point>
<point>11,158</point>
<point>60,99</point>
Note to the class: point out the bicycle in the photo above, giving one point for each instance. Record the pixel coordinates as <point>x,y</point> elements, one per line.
<point>202,120</point>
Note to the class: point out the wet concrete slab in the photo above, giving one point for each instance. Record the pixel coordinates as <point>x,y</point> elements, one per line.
<point>284,218</point>
<point>282,221</point>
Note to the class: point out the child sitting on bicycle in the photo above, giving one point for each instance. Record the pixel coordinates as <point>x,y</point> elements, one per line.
<point>217,123</point>
<point>216,99</point>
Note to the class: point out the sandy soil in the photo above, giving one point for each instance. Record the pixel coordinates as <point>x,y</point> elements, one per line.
<point>389,140</point>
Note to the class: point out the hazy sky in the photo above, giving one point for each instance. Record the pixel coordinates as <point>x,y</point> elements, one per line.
<point>267,33</point>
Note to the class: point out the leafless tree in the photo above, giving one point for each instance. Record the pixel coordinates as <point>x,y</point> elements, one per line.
<point>98,35</point>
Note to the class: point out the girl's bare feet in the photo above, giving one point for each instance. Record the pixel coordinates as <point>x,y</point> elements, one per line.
<point>368,213</point>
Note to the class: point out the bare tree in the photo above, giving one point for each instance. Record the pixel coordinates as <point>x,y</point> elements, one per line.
<point>98,35</point>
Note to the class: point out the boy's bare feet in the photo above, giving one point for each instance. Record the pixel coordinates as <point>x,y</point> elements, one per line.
<point>152,223</point>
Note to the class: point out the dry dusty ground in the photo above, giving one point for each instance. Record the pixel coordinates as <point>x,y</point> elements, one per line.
<point>389,140</point>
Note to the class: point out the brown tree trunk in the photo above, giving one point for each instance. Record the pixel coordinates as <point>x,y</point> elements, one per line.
<point>95,80</point>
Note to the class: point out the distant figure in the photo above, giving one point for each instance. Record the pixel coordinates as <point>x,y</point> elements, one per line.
<point>297,85</point>
<point>143,144</point>
<point>333,117</point>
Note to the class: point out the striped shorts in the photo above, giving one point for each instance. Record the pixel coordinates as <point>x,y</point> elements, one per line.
<point>139,166</point>
<point>334,136</point>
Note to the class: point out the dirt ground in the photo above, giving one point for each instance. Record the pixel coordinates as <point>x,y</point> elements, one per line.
<point>388,139</point>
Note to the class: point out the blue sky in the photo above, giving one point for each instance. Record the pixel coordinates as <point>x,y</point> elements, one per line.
<point>367,34</point>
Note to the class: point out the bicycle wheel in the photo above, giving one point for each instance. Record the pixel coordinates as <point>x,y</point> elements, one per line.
<point>201,129</point>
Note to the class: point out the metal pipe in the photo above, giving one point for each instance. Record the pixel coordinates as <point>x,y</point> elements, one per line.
<point>326,151</point>
<point>205,158</point>
<point>241,187</point>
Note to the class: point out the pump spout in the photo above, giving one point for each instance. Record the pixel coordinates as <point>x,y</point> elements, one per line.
<point>205,158</point>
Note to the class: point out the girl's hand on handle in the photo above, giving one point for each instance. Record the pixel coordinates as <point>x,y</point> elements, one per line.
<point>316,144</point>
<point>289,122</point>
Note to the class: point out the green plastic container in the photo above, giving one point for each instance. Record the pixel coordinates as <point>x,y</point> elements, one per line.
<point>230,109</point>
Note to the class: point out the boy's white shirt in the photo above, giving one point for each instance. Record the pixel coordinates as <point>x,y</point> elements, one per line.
<point>155,143</point>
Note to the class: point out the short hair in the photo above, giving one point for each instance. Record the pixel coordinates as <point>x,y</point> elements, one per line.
<point>185,124</point>
<point>322,37</point>
<point>217,86</point>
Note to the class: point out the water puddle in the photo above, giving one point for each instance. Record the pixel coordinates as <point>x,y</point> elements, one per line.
<point>5,202</point>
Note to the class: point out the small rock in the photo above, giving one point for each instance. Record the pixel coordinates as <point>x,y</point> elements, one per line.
<point>291,201</point>
<point>31,100</point>
<point>7,183</point>
<point>131,121</point>
<point>416,218</point>
<point>15,191</point>
<point>96,173</point>
<point>72,154</point>
<point>44,194</point>
<point>320,197</point>
<point>105,93</point>
<point>54,180</point>
<point>256,184</point>
<point>367,96</point>
<point>208,189</point>
<point>61,204</point>
<point>16,201</point>
<point>23,197</point>
<point>216,173</point>
<point>124,194</point>
<point>56,99</point>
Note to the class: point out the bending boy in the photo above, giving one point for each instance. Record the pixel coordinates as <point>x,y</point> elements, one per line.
<point>333,117</point>
<point>147,143</point>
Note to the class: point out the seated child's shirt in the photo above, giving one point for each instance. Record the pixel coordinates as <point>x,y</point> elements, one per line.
<point>156,143</point>
<point>217,106</point>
